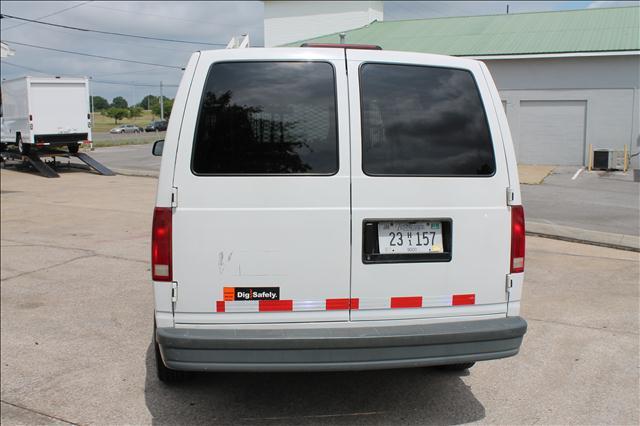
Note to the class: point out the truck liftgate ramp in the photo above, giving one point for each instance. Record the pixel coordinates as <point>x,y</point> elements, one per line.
<point>34,158</point>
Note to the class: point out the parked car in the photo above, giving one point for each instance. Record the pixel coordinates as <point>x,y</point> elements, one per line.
<point>156,126</point>
<point>335,208</point>
<point>126,128</point>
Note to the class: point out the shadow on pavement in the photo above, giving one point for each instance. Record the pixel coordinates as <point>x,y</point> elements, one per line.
<point>421,395</point>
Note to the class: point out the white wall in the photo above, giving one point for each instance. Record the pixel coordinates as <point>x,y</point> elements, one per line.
<point>289,21</point>
<point>610,86</point>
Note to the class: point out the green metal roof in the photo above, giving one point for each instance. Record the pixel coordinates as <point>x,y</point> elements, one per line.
<point>585,30</point>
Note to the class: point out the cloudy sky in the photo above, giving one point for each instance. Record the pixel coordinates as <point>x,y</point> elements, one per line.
<point>213,23</point>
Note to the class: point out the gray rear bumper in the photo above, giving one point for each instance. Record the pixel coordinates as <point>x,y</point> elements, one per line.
<point>349,348</point>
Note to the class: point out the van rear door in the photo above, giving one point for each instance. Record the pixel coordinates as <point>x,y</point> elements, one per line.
<point>261,226</point>
<point>431,227</point>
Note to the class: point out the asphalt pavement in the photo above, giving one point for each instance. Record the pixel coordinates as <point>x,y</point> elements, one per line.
<point>128,159</point>
<point>77,315</point>
<point>598,200</point>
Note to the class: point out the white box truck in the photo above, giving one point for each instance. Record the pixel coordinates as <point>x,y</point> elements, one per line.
<point>45,111</point>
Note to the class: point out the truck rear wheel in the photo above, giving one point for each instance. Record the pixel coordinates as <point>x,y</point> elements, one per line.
<point>73,148</point>
<point>24,148</point>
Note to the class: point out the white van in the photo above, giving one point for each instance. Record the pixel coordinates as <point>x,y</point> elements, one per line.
<point>335,208</point>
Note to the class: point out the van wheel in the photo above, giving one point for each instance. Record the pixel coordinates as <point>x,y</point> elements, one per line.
<point>165,374</point>
<point>457,367</point>
<point>73,148</point>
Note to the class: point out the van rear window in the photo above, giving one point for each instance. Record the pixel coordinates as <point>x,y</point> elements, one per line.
<point>267,118</point>
<point>423,121</point>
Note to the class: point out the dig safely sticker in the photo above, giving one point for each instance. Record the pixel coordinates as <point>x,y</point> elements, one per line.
<point>251,293</point>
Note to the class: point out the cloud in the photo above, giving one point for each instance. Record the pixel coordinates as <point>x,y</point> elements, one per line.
<point>213,22</point>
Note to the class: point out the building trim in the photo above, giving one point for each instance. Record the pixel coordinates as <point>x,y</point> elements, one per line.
<point>554,55</point>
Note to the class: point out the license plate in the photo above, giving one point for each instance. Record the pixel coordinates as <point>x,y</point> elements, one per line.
<point>410,237</point>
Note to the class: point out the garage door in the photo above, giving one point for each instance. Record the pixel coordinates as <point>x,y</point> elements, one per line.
<point>552,132</point>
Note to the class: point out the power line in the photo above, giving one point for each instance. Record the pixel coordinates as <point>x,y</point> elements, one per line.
<point>149,70</point>
<point>173,18</point>
<point>94,56</point>
<point>26,68</point>
<point>123,41</point>
<point>117,83</point>
<point>121,83</point>
<point>51,14</point>
<point>68,27</point>
<point>137,84</point>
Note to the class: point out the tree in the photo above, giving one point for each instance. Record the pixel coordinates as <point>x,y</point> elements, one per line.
<point>148,102</point>
<point>119,102</point>
<point>100,103</point>
<point>168,104</point>
<point>117,113</point>
<point>135,111</point>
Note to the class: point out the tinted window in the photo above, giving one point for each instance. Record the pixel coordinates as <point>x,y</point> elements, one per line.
<point>420,120</point>
<point>267,117</point>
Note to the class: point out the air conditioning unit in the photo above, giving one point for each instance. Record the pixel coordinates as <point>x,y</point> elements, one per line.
<point>608,159</point>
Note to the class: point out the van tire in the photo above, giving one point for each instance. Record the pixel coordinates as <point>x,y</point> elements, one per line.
<point>457,367</point>
<point>73,148</point>
<point>165,374</point>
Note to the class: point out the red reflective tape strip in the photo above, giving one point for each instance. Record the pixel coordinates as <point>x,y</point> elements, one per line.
<point>275,305</point>
<point>220,306</point>
<point>464,299</point>
<point>335,304</point>
<point>406,302</point>
<point>345,303</point>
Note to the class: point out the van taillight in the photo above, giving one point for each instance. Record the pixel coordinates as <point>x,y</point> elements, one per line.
<point>161,268</point>
<point>517,239</point>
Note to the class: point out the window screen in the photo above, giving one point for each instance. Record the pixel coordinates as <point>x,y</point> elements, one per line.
<point>423,121</point>
<point>267,118</point>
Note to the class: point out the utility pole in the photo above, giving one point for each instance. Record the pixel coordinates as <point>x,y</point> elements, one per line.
<point>92,110</point>
<point>161,103</point>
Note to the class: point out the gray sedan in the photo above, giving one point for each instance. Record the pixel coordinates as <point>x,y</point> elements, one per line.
<point>126,128</point>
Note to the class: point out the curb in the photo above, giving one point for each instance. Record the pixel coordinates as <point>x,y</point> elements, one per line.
<point>583,236</point>
<point>138,173</point>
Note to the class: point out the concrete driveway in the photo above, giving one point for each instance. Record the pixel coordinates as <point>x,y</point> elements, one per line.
<point>76,323</point>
